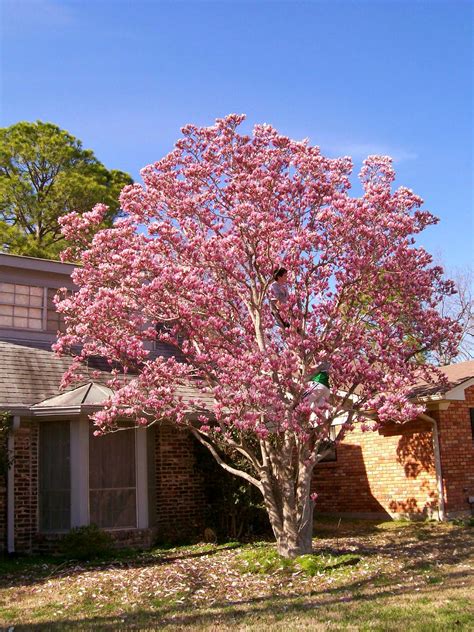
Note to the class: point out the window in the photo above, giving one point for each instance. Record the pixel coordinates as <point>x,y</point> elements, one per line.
<point>109,481</point>
<point>471,412</point>
<point>54,476</point>
<point>54,320</point>
<point>21,306</point>
<point>112,479</point>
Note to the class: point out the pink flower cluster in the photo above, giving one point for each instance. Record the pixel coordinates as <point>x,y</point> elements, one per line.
<point>195,253</point>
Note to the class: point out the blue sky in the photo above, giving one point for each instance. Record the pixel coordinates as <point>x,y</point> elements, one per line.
<point>355,77</point>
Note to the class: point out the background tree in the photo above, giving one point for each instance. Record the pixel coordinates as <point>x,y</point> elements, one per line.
<point>45,173</point>
<point>221,212</point>
<point>460,308</point>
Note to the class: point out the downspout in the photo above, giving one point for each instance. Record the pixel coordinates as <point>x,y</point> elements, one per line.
<point>437,460</point>
<point>11,485</point>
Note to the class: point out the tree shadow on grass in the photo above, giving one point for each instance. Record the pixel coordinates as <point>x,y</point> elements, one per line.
<point>426,544</point>
<point>26,571</point>
<point>235,612</point>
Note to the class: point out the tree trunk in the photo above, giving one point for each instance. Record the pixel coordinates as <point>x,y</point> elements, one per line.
<point>286,491</point>
<point>294,540</point>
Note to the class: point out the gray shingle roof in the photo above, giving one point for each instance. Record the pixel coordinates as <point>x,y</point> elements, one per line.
<point>27,375</point>
<point>30,375</point>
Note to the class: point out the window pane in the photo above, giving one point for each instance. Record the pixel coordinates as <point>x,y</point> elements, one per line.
<point>54,476</point>
<point>36,301</point>
<point>52,326</point>
<point>113,508</point>
<point>25,302</point>
<point>22,299</point>
<point>6,321</point>
<point>6,297</point>
<point>112,479</point>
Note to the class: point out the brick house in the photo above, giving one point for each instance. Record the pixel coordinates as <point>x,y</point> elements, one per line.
<point>151,484</point>
<point>423,468</point>
<point>148,485</point>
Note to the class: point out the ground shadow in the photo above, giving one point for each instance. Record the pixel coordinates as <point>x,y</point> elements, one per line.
<point>236,611</point>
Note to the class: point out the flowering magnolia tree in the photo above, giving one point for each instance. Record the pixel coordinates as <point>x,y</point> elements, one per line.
<point>190,263</point>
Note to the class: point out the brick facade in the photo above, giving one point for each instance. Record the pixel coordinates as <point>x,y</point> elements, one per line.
<point>179,505</point>
<point>385,473</point>
<point>180,496</point>
<point>26,485</point>
<point>3,500</point>
<point>457,454</point>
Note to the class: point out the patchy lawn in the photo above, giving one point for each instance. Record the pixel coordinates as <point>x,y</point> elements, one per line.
<point>364,576</point>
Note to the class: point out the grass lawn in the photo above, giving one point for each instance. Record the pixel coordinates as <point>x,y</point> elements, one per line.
<point>364,576</point>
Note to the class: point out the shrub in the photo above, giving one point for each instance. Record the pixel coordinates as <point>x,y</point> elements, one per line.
<point>88,542</point>
<point>234,508</point>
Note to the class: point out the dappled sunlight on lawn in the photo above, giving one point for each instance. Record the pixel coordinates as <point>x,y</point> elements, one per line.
<point>395,571</point>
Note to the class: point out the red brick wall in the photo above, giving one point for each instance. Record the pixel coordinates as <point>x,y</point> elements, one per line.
<point>3,505</point>
<point>26,485</point>
<point>180,499</point>
<point>383,473</point>
<point>457,454</point>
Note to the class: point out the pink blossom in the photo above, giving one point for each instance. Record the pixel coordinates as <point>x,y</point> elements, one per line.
<point>195,252</point>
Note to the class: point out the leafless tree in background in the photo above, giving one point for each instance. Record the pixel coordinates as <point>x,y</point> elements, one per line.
<point>460,307</point>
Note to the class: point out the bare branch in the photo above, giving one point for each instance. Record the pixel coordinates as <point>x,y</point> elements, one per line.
<point>223,464</point>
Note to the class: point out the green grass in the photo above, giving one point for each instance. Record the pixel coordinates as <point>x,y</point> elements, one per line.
<point>314,564</point>
<point>361,577</point>
<point>265,560</point>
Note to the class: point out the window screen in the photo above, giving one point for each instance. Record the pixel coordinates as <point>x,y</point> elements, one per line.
<point>54,476</point>
<point>21,306</point>
<point>112,483</point>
